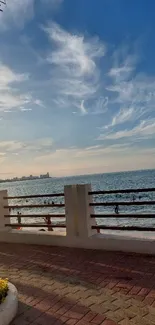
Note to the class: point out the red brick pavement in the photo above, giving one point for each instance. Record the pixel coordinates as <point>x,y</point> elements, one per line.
<point>79,287</point>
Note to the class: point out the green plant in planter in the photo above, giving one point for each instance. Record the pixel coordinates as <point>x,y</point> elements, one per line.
<point>3,289</point>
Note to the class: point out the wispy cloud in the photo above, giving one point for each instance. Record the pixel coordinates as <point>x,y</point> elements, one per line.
<point>133,92</point>
<point>33,146</point>
<point>10,97</point>
<point>146,129</point>
<point>123,115</point>
<point>75,72</point>
<point>17,12</point>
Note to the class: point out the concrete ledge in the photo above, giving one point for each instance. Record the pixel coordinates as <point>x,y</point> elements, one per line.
<point>8,308</point>
<point>108,242</point>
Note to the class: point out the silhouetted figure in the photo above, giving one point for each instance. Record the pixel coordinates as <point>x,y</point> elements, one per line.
<point>116,209</point>
<point>52,202</point>
<point>133,198</point>
<point>49,223</point>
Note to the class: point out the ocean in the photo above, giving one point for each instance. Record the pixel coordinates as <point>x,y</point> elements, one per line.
<point>108,181</point>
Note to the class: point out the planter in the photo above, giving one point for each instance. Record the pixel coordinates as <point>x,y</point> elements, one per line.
<point>8,308</point>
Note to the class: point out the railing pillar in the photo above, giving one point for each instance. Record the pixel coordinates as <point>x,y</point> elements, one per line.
<point>78,211</point>
<point>71,210</point>
<point>84,211</point>
<point>2,210</point>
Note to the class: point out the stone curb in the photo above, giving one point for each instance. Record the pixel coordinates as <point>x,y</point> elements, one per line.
<point>8,308</point>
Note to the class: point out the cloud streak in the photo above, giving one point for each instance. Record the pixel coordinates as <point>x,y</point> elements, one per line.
<point>10,96</point>
<point>32,148</point>
<point>73,61</point>
<point>134,93</point>
<point>146,129</point>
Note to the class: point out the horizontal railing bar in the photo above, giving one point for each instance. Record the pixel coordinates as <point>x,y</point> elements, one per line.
<point>136,190</point>
<point>35,216</point>
<point>33,196</point>
<point>15,225</point>
<point>123,215</point>
<point>129,228</point>
<point>34,206</point>
<point>122,203</point>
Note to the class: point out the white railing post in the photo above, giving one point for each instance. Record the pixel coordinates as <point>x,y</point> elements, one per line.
<point>71,210</point>
<point>85,222</point>
<point>78,211</point>
<point>3,211</point>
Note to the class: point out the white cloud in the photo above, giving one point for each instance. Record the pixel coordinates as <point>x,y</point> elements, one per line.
<point>123,116</point>
<point>9,96</point>
<point>25,109</point>
<point>134,93</point>
<point>146,129</point>
<point>38,102</point>
<point>17,12</point>
<point>9,101</point>
<point>120,73</point>
<point>94,106</point>
<point>75,74</point>
<point>82,107</point>
<point>33,146</point>
<point>73,52</point>
<point>7,76</point>
<point>9,146</point>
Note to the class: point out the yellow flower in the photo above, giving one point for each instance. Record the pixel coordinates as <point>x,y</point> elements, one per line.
<point>3,289</point>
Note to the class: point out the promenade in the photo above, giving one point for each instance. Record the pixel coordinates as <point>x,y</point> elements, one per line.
<point>59,285</point>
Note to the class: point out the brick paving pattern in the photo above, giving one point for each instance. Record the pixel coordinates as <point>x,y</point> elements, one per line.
<point>59,285</point>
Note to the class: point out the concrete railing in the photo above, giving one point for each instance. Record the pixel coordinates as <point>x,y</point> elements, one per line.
<point>79,227</point>
<point>77,211</point>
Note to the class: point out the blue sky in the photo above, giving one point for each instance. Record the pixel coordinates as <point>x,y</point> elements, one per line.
<point>77,86</point>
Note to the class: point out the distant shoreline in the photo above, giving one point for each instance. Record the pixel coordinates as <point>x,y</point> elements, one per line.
<point>23,180</point>
<point>77,176</point>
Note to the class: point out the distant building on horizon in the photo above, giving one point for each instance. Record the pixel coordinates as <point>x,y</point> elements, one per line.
<point>45,175</point>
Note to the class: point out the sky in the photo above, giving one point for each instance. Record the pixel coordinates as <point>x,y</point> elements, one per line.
<point>77,86</point>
